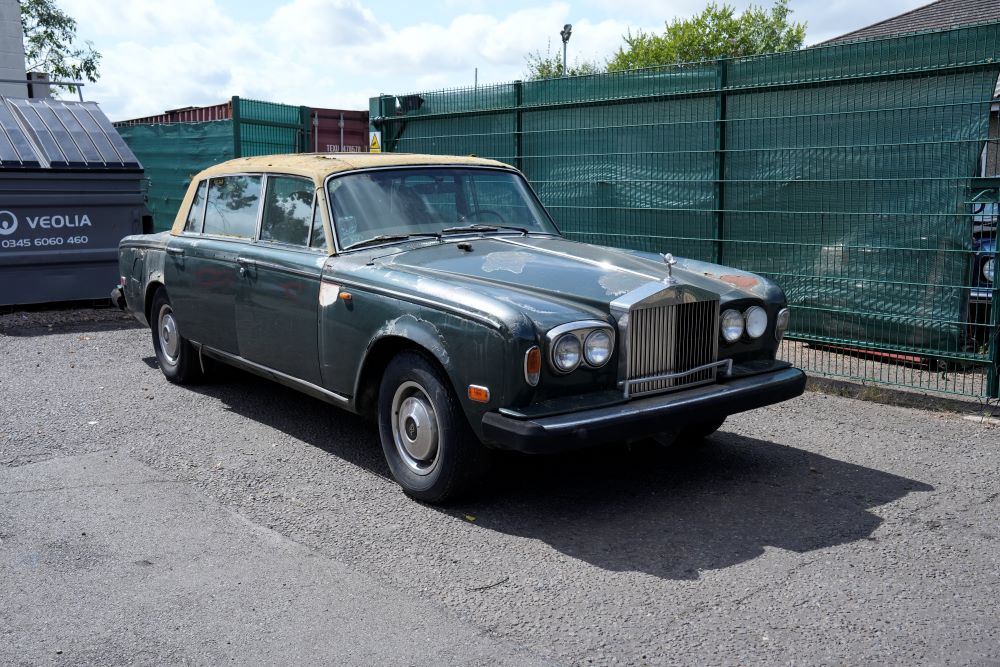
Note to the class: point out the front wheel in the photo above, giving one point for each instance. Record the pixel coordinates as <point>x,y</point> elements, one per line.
<point>431,451</point>
<point>175,354</point>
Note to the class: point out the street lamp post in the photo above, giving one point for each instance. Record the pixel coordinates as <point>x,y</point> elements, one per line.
<point>565,33</point>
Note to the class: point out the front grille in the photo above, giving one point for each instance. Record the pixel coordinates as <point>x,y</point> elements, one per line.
<point>671,339</point>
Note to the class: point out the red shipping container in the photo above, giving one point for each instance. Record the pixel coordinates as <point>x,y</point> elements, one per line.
<point>326,133</point>
<point>327,136</point>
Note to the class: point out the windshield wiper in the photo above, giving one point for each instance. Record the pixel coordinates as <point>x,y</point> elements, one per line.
<point>484,228</point>
<point>385,238</point>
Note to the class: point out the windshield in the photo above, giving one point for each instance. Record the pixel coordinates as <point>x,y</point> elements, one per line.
<point>393,204</point>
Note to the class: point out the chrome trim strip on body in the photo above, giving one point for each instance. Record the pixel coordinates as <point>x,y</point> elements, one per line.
<point>261,264</point>
<point>484,319</point>
<point>728,363</point>
<point>260,369</point>
<point>592,262</point>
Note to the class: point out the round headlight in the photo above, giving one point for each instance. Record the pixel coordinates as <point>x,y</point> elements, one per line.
<point>989,268</point>
<point>566,353</point>
<point>732,325</point>
<point>781,323</point>
<point>597,347</point>
<point>756,318</point>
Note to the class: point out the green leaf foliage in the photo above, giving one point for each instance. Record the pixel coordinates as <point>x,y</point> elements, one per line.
<point>549,66</point>
<point>717,32</point>
<point>51,46</point>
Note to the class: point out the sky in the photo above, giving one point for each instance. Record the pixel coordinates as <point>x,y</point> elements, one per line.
<point>165,54</point>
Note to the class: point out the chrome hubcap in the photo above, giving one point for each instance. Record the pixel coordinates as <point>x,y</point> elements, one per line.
<point>169,339</point>
<point>415,428</point>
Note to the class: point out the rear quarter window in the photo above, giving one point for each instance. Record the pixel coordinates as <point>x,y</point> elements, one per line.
<point>196,215</point>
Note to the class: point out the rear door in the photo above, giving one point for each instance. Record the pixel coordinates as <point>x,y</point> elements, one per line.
<point>202,274</point>
<point>277,305</point>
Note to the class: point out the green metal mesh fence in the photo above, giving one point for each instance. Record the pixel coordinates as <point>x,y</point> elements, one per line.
<point>171,154</point>
<point>268,128</point>
<point>847,173</point>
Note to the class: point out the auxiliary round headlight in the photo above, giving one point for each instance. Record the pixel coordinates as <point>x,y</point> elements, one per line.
<point>781,323</point>
<point>597,348</point>
<point>566,353</point>
<point>756,318</point>
<point>732,325</point>
<point>989,269</point>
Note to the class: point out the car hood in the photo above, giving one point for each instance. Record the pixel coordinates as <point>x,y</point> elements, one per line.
<point>550,280</point>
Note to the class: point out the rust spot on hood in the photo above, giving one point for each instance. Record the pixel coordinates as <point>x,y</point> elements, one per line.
<point>743,282</point>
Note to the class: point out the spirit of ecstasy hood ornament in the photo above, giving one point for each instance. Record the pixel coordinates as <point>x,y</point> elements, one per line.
<point>669,260</point>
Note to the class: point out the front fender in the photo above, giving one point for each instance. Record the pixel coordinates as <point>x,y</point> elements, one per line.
<point>469,352</point>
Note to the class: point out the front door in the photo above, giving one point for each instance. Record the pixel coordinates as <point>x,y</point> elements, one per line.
<point>277,305</point>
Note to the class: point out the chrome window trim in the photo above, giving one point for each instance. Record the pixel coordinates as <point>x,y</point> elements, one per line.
<point>260,222</point>
<point>222,237</point>
<point>204,207</point>
<point>337,250</point>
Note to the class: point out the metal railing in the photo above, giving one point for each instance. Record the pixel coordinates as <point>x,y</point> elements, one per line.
<point>851,174</point>
<point>45,82</point>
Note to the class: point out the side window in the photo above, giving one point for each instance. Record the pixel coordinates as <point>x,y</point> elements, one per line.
<point>233,202</point>
<point>318,231</point>
<point>288,204</point>
<point>196,216</point>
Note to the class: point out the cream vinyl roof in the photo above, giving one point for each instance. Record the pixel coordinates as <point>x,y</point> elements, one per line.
<point>318,166</point>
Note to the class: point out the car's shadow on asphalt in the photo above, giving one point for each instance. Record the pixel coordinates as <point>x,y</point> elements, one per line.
<point>695,506</point>
<point>668,512</point>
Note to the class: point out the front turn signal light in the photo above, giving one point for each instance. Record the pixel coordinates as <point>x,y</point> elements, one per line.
<point>533,366</point>
<point>479,393</point>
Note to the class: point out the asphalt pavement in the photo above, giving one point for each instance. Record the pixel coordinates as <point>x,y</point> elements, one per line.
<point>824,530</point>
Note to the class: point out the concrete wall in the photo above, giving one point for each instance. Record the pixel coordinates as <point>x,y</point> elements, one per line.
<point>11,49</point>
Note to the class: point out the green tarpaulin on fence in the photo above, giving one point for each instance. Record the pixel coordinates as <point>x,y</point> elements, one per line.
<point>842,172</point>
<point>172,154</point>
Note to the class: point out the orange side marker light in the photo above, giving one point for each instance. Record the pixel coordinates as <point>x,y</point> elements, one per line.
<point>479,394</point>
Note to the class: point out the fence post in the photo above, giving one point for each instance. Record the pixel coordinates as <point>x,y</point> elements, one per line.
<point>993,322</point>
<point>237,142</point>
<point>518,100</point>
<point>719,217</point>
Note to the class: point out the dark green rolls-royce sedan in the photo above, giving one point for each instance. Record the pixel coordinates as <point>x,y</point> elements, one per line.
<point>436,295</point>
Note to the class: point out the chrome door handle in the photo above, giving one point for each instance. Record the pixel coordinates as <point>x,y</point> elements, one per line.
<point>245,264</point>
<point>175,251</point>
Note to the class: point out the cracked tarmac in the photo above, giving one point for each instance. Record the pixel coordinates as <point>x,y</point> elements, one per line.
<point>823,530</point>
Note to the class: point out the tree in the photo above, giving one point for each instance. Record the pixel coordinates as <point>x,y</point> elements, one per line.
<point>716,32</point>
<point>51,46</point>
<point>549,66</point>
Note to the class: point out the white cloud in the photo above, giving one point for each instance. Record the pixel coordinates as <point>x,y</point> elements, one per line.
<point>165,54</point>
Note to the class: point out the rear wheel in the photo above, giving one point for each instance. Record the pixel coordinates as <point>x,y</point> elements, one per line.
<point>431,451</point>
<point>175,354</point>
